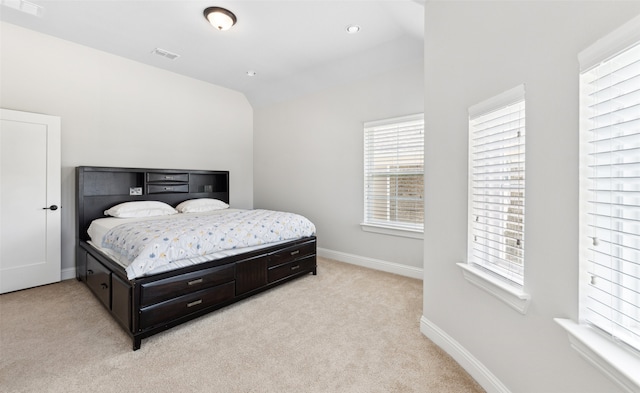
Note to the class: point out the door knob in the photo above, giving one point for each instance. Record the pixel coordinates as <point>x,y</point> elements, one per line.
<point>52,207</point>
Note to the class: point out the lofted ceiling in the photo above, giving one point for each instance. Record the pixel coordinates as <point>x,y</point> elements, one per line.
<point>295,47</point>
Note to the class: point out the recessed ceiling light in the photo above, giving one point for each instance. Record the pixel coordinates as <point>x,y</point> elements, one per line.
<point>252,73</point>
<point>352,29</point>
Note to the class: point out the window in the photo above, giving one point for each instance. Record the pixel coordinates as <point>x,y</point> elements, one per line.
<point>608,334</point>
<point>610,193</point>
<point>394,173</point>
<point>497,186</point>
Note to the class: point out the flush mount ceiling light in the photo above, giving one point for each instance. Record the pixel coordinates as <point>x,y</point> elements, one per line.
<point>220,18</point>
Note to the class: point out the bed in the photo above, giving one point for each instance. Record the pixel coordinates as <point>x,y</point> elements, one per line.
<point>159,247</point>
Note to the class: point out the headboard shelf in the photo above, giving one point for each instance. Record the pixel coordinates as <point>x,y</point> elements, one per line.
<point>99,188</point>
<point>111,183</point>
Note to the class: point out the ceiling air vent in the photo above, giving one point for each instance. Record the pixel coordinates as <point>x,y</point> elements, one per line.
<point>165,53</point>
<point>24,6</point>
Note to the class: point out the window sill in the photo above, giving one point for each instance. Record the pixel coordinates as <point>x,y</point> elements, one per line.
<point>513,297</point>
<point>616,362</point>
<point>392,230</point>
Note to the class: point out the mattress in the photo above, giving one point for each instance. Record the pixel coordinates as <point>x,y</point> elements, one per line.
<point>152,245</point>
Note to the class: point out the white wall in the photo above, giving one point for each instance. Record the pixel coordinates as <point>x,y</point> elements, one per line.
<point>474,50</point>
<point>116,112</point>
<point>309,159</point>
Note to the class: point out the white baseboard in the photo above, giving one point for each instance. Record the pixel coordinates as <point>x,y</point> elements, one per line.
<point>472,365</point>
<point>68,273</point>
<point>377,264</point>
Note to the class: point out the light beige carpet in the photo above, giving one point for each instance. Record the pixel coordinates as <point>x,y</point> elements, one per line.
<point>348,329</point>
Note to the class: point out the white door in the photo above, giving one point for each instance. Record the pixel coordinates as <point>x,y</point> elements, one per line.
<point>29,200</point>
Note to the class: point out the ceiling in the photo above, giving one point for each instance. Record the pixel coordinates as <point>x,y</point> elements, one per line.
<point>295,47</point>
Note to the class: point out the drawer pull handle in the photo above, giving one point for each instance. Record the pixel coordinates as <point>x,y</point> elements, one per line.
<point>194,282</point>
<point>194,303</point>
<point>295,252</point>
<point>295,267</point>
<point>104,285</point>
<point>89,272</point>
<point>168,188</point>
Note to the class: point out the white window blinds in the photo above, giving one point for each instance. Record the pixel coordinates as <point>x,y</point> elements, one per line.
<point>610,195</point>
<point>497,185</point>
<point>394,172</point>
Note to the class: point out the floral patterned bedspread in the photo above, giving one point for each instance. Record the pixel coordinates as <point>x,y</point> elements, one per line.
<point>147,245</point>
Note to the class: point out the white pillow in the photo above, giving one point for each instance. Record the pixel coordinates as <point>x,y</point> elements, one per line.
<point>201,205</point>
<point>140,209</point>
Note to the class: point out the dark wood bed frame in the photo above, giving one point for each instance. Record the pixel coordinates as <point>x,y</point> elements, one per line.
<point>151,304</point>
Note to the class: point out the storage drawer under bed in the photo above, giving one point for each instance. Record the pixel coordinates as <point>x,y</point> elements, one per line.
<point>168,288</point>
<point>290,254</point>
<point>99,280</point>
<point>170,310</point>
<point>291,268</point>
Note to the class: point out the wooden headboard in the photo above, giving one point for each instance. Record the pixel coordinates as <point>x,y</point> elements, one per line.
<point>99,188</point>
